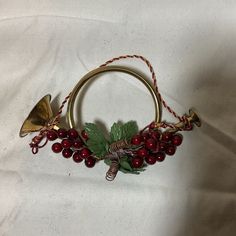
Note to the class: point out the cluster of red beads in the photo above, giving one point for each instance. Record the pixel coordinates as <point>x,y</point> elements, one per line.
<point>71,145</point>
<point>154,146</point>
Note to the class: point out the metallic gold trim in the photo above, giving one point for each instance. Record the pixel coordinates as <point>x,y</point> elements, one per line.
<point>91,75</point>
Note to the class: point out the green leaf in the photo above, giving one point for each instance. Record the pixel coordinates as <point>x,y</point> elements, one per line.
<point>97,142</point>
<point>125,131</point>
<point>129,129</point>
<point>139,169</point>
<point>107,161</point>
<point>128,172</point>
<point>116,132</point>
<point>125,165</point>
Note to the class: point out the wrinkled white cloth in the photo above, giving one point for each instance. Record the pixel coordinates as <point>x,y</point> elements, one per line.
<point>47,46</point>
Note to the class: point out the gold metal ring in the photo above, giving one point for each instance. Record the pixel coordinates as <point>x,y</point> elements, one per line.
<point>91,75</point>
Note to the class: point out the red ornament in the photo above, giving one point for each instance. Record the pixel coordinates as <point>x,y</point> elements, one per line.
<point>136,140</point>
<point>56,147</point>
<point>77,144</point>
<point>145,136</point>
<point>151,144</point>
<point>137,162</point>
<point>67,153</point>
<point>160,156</point>
<point>162,146</point>
<point>66,143</point>
<point>62,133</point>
<point>76,157</point>
<point>166,137</point>
<point>72,134</point>
<point>84,135</point>
<point>90,162</point>
<point>85,153</point>
<point>51,135</point>
<point>177,139</point>
<point>170,150</point>
<point>151,160</point>
<point>155,135</point>
<point>142,152</point>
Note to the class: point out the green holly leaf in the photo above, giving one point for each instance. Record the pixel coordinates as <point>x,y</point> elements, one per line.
<point>123,132</point>
<point>129,129</point>
<point>116,132</point>
<point>97,142</point>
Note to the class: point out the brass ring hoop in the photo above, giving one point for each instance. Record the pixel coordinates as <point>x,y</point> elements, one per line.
<point>92,75</point>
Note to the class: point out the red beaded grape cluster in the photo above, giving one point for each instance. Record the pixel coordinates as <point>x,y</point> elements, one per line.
<point>71,145</point>
<point>154,146</point>
<point>149,146</point>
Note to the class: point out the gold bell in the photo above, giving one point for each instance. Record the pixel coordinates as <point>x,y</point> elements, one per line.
<point>38,117</point>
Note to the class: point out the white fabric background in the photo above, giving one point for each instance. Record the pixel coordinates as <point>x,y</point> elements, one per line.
<point>47,46</point>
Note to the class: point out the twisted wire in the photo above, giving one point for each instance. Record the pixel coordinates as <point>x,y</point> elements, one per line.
<point>153,78</point>
<point>112,172</point>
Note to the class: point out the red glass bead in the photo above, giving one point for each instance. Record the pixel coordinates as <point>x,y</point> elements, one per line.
<point>151,144</point>
<point>51,135</point>
<point>85,153</point>
<point>90,162</point>
<point>137,162</point>
<point>145,136</point>
<point>142,152</point>
<point>76,157</point>
<point>162,146</point>
<point>177,139</point>
<point>136,140</point>
<point>56,147</point>
<point>166,136</point>
<point>62,133</point>
<point>157,149</point>
<point>84,134</point>
<point>67,153</point>
<point>155,135</point>
<point>160,156</point>
<point>170,150</point>
<point>77,144</point>
<point>72,134</point>
<point>66,143</point>
<point>151,160</point>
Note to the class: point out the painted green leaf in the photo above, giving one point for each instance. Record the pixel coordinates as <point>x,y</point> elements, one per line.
<point>116,132</point>
<point>129,129</point>
<point>125,165</point>
<point>139,169</point>
<point>128,172</point>
<point>107,161</point>
<point>97,142</point>
<point>125,131</point>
